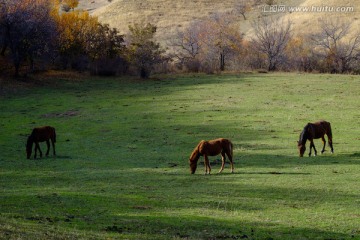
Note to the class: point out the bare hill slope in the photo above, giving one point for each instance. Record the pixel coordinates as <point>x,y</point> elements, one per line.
<point>167,15</point>
<point>171,15</point>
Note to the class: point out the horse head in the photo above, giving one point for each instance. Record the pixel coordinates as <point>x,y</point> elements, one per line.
<point>301,148</point>
<point>193,166</point>
<point>29,145</point>
<point>195,155</point>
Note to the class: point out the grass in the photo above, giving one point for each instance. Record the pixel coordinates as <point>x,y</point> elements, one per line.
<point>121,169</point>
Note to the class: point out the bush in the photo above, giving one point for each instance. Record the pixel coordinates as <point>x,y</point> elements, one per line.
<point>109,67</point>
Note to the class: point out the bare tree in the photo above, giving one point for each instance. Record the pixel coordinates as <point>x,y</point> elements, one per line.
<point>223,37</point>
<point>271,38</point>
<point>242,7</point>
<point>337,46</point>
<point>188,46</point>
<point>210,42</point>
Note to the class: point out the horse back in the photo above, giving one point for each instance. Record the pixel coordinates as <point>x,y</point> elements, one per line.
<point>215,147</point>
<point>321,128</point>
<point>41,134</point>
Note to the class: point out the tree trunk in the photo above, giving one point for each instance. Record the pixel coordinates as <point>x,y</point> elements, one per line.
<point>3,49</point>
<point>144,73</point>
<point>222,61</point>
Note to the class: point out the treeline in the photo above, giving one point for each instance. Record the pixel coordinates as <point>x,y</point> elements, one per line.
<point>43,34</point>
<point>46,34</point>
<point>216,44</point>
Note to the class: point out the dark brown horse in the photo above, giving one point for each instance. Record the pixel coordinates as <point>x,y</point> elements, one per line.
<point>212,148</point>
<point>41,134</point>
<point>314,131</point>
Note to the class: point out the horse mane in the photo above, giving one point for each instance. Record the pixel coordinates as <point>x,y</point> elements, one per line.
<point>304,134</point>
<point>195,155</point>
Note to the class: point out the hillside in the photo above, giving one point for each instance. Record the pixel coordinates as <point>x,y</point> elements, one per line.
<point>305,22</point>
<point>170,16</point>
<point>167,15</point>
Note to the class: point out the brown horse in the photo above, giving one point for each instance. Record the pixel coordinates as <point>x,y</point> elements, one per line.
<point>41,134</point>
<point>212,148</point>
<point>314,131</point>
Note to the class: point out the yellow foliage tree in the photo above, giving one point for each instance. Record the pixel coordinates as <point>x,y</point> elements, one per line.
<point>82,35</point>
<point>300,51</point>
<point>75,31</point>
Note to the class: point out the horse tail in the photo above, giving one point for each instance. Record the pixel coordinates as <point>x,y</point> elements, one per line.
<point>54,133</point>
<point>330,132</point>
<point>231,149</point>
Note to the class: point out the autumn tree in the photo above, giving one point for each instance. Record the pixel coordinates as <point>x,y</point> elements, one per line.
<point>106,49</point>
<point>83,40</point>
<point>143,51</point>
<point>72,32</point>
<point>26,28</point>
<point>300,54</point>
<point>271,38</point>
<point>211,42</point>
<point>223,37</point>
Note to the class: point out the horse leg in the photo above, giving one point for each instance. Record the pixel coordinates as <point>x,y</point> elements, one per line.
<point>48,147</point>
<point>312,145</point>
<point>38,146</point>
<point>330,144</point>
<point>324,142</point>
<point>53,146</point>
<point>207,164</point>
<point>35,150</point>
<point>223,158</point>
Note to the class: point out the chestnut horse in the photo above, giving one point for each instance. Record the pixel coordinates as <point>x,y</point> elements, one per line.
<point>212,148</point>
<point>41,134</point>
<point>314,131</point>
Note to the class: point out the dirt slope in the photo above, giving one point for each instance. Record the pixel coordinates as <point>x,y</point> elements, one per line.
<point>170,15</point>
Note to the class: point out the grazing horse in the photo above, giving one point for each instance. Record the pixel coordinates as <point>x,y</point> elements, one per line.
<point>212,148</point>
<point>314,131</point>
<point>41,134</point>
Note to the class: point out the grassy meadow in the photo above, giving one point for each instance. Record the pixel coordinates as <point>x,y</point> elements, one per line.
<point>121,170</point>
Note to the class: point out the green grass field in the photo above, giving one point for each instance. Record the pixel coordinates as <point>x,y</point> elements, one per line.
<point>121,170</point>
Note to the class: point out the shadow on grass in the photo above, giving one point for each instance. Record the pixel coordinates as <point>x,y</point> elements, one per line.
<point>63,157</point>
<point>279,162</point>
<point>102,214</point>
<point>151,204</point>
<point>165,227</point>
